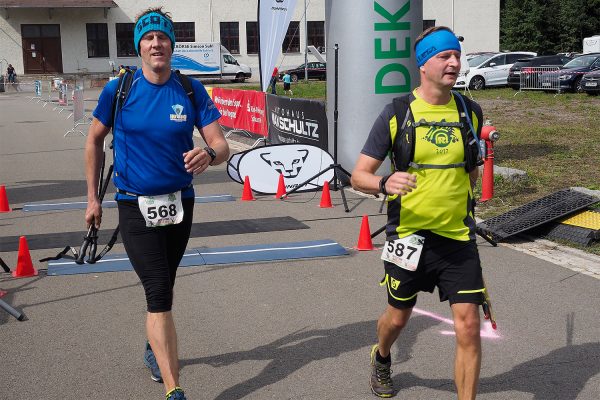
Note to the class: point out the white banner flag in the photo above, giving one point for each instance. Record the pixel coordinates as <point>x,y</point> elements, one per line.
<point>273,20</point>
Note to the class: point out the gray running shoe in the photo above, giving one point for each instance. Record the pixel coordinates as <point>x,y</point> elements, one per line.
<point>381,376</point>
<point>150,362</point>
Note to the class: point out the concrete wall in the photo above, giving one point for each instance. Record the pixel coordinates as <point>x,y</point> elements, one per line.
<point>477,20</point>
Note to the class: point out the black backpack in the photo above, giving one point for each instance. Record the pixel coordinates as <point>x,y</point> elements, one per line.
<point>404,142</point>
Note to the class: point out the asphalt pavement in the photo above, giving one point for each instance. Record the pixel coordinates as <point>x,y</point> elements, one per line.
<point>298,329</point>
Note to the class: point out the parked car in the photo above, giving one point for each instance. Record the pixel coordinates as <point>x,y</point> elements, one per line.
<point>514,73</point>
<point>590,83</point>
<point>490,69</point>
<point>571,74</point>
<point>316,70</point>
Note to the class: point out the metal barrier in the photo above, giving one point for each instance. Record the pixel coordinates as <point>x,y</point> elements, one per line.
<point>539,78</point>
<point>79,116</point>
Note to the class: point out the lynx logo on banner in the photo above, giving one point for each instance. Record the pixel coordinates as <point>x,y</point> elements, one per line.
<point>297,121</point>
<point>297,163</point>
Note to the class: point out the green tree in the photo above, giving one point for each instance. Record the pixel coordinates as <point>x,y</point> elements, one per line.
<point>569,21</point>
<point>548,26</point>
<point>522,25</point>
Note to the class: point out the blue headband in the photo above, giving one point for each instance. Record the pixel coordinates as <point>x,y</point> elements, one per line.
<point>153,22</point>
<point>435,43</point>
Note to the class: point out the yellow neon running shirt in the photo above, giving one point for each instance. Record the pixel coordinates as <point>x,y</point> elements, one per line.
<point>440,203</point>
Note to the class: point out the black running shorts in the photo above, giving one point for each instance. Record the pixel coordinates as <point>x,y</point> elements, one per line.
<point>453,266</point>
<point>155,252</point>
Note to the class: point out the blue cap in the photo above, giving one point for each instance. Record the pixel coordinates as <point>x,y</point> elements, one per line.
<point>435,43</point>
<point>153,22</point>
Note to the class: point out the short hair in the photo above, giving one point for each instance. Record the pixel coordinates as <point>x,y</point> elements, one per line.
<point>429,31</point>
<point>158,10</point>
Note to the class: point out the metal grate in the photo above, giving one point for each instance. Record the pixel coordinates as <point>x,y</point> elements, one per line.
<point>536,213</point>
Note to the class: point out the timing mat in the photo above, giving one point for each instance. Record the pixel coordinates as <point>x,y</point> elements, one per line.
<point>81,205</point>
<point>204,256</point>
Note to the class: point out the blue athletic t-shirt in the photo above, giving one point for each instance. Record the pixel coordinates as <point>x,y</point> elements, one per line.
<point>152,131</point>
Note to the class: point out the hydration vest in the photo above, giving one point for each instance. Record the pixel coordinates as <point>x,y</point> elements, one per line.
<point>403,142</point>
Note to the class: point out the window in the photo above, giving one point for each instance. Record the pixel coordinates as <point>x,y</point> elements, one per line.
<point>291,43</point>
<point>184,31</point>
<point>230,36</point>
<point>252,37</point>
<point>228,59</point>
<point>97,40</point>
<point>498,60</point>
<point>316,35</point>
<point>38,31</point>
<point>125,40</point>
<point>512,58</point>
<point>428,23</point>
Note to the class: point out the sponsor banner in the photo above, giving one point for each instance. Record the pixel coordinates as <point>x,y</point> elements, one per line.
<point>62,94</point>
<point>195,58</point>
<point>241,109</point>
<point>78,109</point>
<point>38,88</point>
<point>297,121</point>
<point>297,163</point>
<point>273,20</point>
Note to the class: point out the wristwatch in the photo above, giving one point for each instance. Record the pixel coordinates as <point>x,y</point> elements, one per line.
<point>211,152</point>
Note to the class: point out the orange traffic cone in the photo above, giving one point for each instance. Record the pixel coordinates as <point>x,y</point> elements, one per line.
<point>325,196</point>
<point>3,200</point>
<point>364,237</point>
<point>280,188</point>
<point>247,193</point>
<point>24,266</point>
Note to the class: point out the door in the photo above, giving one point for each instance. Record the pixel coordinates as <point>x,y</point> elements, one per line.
<point>230,65</point>
<point>42,52</point>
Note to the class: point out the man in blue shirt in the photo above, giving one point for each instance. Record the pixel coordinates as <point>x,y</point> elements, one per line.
<point>154,163</point>
<point>287,84</point>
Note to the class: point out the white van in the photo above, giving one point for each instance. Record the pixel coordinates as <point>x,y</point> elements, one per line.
<point>490,69</point>
<point>208,60</point>
<point>232,69</point>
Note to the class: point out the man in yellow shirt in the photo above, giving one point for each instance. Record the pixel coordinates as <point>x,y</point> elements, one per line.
<point>431,137</point>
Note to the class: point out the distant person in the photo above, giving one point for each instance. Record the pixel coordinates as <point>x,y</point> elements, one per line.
<point>122,70</point>
<point>273,82</point>
<point>155,163</point>
<point>287,84</point>
<point>11,74</point>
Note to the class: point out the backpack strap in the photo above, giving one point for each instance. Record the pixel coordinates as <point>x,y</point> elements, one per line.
<point>403,140</point>
<point>187,86</point>
<point>465,111</point>
<point>125,82</point>
<point>473,151</point>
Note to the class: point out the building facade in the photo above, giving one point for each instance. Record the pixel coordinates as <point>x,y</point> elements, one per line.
<point>90,36</point>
